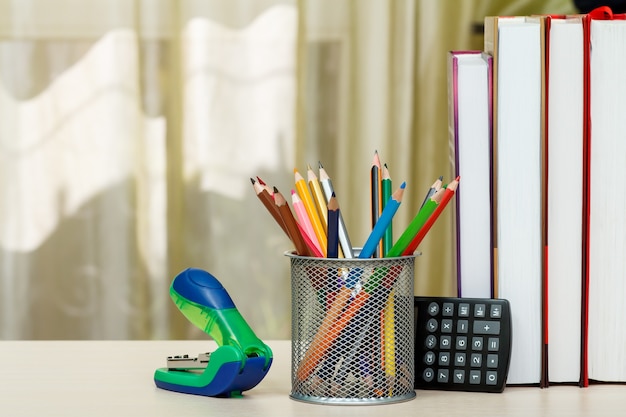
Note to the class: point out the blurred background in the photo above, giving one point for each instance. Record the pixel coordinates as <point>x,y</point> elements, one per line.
<point>129,131</point>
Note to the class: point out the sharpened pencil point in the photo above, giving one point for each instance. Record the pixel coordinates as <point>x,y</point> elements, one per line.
<point>252,180</point>
<point>403,185</point>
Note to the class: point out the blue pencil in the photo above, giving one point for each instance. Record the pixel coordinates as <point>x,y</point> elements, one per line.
<point>383,222</point>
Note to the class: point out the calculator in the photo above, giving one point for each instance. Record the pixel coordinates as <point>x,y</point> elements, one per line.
<point>462,344</point>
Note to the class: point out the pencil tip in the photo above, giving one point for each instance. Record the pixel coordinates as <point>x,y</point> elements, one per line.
<point>403,185</point>
<point>308,167</point>
<point>293,192</point>
<point>276,190</point>
<point>252,180</point>
<point>376,161</point>
<point>319,164</point>
<point>441,178</point>
<point>458,178</point>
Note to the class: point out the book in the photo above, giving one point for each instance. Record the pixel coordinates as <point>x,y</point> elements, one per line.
<point>516,44</point>
<point>564,198</point>
<point>604,347</point>
<point>469,121</point>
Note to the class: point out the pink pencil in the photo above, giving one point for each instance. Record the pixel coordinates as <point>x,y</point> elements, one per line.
<point>304,220</point>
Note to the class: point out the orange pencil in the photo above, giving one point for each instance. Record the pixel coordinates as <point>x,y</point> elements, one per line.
<point>334,322</point>
<point>447,196</point>
<point>376,197</point>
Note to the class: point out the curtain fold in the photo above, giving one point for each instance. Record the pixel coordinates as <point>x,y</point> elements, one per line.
<point>129,131</point>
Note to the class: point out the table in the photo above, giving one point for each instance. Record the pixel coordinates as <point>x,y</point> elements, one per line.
<point>115,378</point>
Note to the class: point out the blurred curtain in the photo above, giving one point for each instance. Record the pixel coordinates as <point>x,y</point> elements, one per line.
<point>129,131</point>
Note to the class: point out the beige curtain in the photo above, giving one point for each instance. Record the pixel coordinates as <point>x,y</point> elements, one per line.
<point>129,131</point>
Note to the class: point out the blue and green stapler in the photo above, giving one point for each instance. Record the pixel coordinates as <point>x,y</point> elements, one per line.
<point>241,360</point>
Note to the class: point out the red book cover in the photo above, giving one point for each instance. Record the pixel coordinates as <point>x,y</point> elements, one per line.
<point>600,13</point>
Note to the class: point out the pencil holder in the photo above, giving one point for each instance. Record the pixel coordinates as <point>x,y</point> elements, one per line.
<point>352,330</point>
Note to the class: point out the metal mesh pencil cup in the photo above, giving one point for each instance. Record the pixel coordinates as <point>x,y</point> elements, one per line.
<point>352,330</point>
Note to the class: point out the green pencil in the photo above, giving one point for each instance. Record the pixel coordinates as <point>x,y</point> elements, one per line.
<point>416,224</point>
<point>386,189</point>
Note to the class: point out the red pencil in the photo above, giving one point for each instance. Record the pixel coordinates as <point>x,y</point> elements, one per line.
<point>447,196</point>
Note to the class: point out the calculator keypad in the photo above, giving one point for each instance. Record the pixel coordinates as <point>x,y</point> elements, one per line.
<point>462,344</point>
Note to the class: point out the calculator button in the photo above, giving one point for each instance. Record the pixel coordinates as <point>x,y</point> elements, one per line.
<point>486,327</point>
<point>461,342</point>
<point>429,358</point>
<point>432,325</point>
<point>448,310</point>
<point>493,344</point>
<point>431,341</point>
<point>464,310</point>
<point>446,342</point>
<point>462,326</point>
<point>446,326</point>
<point>459,359</point>
<point>492,360</point>
<point>495,311</point>
<point>428,374</point>
<point>491,378</point>
<point>444,359</point>
<point>477,343</point>
<point>476,360</point>
<point>474,377</point>
<point>459,376</point>
<point>479,310</point>
<point>442,375</point>
<point>433,309</point>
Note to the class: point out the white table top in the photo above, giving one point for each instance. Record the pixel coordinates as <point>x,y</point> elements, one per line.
<point>115,378</point>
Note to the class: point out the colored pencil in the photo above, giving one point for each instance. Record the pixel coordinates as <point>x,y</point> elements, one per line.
<point>416,224</point>
<point>264,185</point>
<point>432,190</point>
<point>318,197</point>
<point>375,197</point>
<point>386,194</point>
<point>309,205</point>
<point>309,243</point>
<point>303,219</point>
<point>337,317</point>
<point>268,202</point>
<point>373,241</point>
<point>447,196</point>
<point>290,223</point>
<point>344,238</point>
<point>333,228</point>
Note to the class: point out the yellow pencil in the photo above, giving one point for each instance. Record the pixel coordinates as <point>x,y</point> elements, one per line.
<point>309,205</point>
<point>390,339</point>
<point>318,197</point>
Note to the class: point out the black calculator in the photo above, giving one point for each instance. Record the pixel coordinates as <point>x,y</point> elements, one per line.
<point>462,344</point>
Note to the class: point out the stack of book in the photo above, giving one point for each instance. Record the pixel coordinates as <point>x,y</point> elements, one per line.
<point>538,133</point>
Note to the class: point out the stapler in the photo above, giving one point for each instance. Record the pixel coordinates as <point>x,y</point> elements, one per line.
<point>241,360</point>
